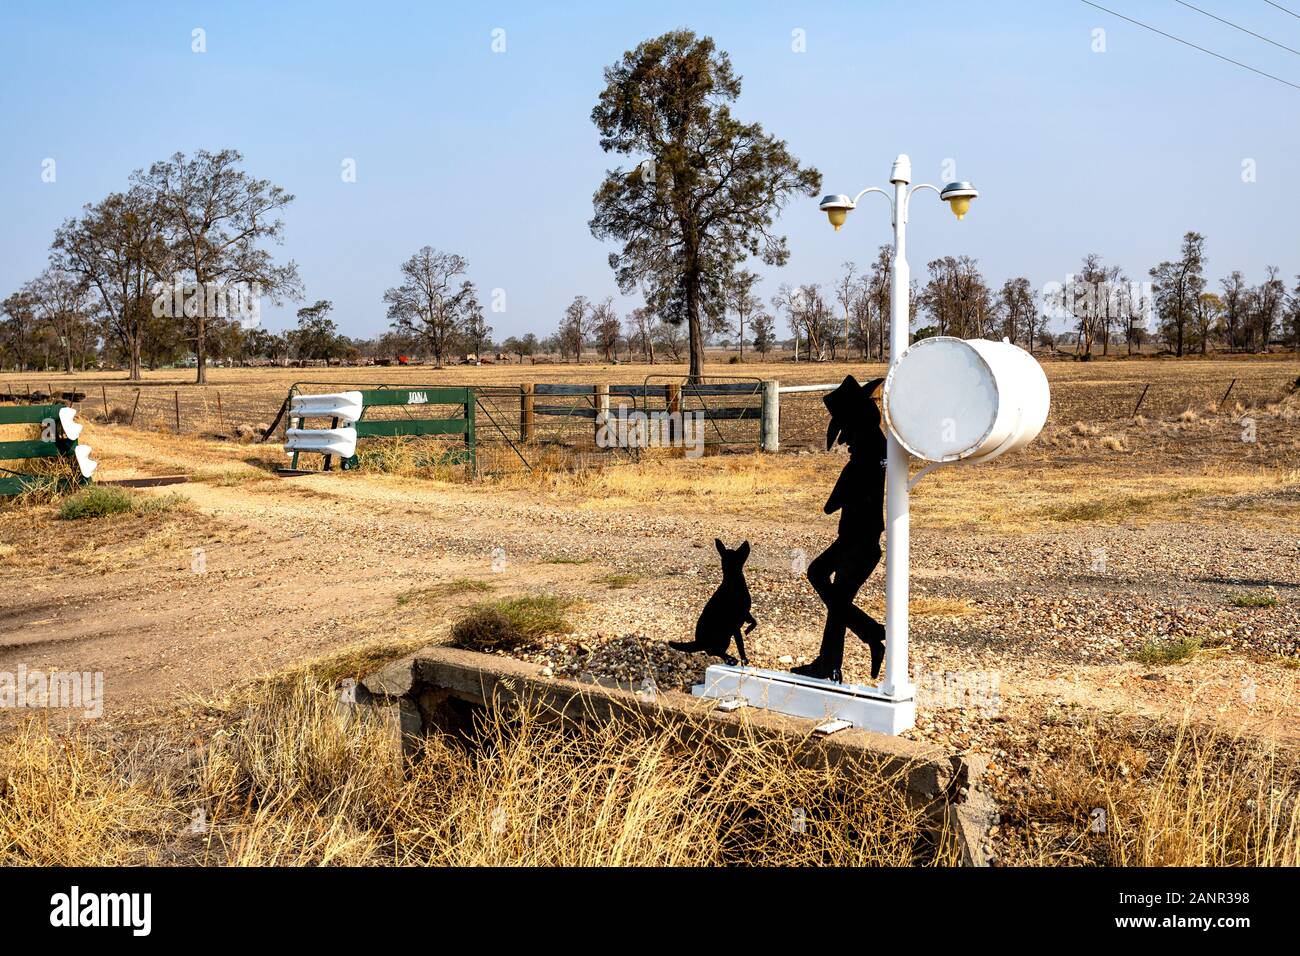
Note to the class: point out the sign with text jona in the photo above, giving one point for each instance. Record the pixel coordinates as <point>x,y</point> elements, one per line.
<point>950,399</point>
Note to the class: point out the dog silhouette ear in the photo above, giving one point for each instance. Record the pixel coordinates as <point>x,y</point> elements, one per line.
<point>722,548</point>
<point>743,551</point>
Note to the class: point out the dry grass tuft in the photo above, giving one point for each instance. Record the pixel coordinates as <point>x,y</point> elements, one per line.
<point>1169,651</point>
<point>425,456</point>
<point>64,802</point>
<point>512,622</point>
<point>1113,509</point>
<point>1190,797</point>
<point>1254,599</point>
<point>616,581</point>
<point>1114,443</point>
<point>99,501</point>
<point>452,588</point>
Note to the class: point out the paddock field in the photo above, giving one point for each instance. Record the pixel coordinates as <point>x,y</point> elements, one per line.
<point>1121,576</point>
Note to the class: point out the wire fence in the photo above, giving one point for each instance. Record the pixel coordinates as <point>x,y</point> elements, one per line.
<point>557,425</point>
<point>803,416</point>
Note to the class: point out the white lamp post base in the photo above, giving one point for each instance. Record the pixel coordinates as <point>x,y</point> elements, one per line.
<point>868,708</point>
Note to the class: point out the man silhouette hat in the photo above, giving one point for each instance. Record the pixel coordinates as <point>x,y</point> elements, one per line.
<point>839,572</point>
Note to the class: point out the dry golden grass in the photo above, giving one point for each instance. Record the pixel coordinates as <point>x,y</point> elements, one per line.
<point>1192,797</point>
<point>735,484</point>
<point>65,802</point>
<point>291,774</point>
<point>299,782</point>
<point>298,777</point>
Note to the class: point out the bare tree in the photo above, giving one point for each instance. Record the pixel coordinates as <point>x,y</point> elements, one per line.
<point>474,329</point>
<point>957,298</point>
<point>878,283</point>
<point>786,301</point>
<point>640,325</point>
<point>1209,313</point>
<point>605,327</point>
<point>668,336</point>
<point>1266,302</point>
<point>742,301</point>
<point>1017,301</point>
<point>62,303</point>
<point>846,291</point>
<point>216,217</point>
<point>1176,286</point>
<point>860,313</point>
<point>1235,298</point>
<point>433,300</point>
<point>117,247</point>
<point>574,327</point>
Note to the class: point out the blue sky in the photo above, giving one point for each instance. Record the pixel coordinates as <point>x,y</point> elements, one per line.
<point>493,155</point>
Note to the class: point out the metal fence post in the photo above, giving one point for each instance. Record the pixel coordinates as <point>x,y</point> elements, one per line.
<point>769,431</point>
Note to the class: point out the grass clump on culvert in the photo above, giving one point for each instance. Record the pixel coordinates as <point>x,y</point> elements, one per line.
<point>512,622</point>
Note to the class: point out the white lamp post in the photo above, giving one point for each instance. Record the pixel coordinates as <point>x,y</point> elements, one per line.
<point>891,707</point>
<point>897,685</point>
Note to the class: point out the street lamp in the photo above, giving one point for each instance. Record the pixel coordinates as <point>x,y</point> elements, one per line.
<point>897,686</point>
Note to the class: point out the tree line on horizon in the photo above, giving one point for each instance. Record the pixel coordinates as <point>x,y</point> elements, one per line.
<point>165,269</point>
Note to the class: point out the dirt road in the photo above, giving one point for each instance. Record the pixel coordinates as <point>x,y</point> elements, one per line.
<point>249,574</point>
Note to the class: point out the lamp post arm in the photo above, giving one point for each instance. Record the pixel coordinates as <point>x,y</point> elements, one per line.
<point>876,189</point>
<point>907,202</point>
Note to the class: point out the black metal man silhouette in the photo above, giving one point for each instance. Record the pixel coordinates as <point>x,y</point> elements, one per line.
<point>859,495</point>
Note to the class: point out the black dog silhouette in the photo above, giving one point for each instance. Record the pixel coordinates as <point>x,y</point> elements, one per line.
<point>726,611</point>
<point>839,572</point>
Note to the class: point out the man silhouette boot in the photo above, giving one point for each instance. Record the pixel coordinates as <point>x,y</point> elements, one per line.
<point>838,573</point>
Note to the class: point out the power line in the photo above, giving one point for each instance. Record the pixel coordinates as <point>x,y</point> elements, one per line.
<point>1257,36</point>
<point>1170,36</point>
<point>1282,8</point>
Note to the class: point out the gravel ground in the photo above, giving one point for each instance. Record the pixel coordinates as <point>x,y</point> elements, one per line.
<point>1004,624</point>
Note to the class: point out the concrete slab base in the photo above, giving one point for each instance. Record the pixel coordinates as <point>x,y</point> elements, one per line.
<point>797,696</point>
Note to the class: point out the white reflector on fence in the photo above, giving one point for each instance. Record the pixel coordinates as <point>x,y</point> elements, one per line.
<point>345,406</point>
<point>84,461</point>
<point>949,399</point>
<point>68,419</point>
<point>323,441</point>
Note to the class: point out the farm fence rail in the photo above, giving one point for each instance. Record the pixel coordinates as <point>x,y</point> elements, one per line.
<point>555,425</point>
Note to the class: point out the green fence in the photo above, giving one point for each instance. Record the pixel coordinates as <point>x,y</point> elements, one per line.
<point>54,443</point>
<point>397,412</point>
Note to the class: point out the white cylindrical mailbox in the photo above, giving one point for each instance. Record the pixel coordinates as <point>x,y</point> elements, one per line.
<point>345,406</point>
<point>950,399</point>
<point>323,441</point>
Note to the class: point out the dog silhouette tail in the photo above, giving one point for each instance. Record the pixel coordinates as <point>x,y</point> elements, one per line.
<point>687,646</point>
